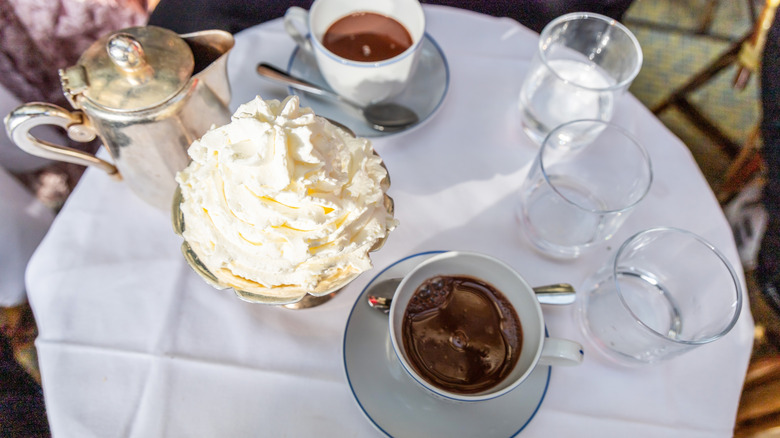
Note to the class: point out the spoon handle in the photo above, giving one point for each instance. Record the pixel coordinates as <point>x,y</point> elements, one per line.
<point>556,294</point>
<point>274,73</point>
<point>561,293</point>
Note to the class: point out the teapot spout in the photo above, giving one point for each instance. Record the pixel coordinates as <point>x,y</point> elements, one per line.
<point>210,49</point>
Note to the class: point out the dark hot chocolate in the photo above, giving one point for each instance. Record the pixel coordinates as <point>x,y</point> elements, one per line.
<point>461,334</point>
<point>367,37</point>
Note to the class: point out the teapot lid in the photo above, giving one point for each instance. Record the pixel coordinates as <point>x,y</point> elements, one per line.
<point>133,69</point>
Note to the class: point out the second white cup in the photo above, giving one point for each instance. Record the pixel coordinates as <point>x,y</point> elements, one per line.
<point>456,341</point>
<point>361,81</point>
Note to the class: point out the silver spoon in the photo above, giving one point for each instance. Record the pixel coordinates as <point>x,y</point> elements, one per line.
<point>382,116</point>
<point>381,294</point>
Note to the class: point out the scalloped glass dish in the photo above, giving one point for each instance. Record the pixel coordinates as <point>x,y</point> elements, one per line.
<point>305,299</point>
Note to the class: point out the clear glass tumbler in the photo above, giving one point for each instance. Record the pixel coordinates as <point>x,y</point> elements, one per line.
<point>588,176</point>
<point>665,292</point>
<point>584,62</point>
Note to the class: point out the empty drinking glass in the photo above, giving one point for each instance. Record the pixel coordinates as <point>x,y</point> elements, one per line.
<point>588,176</point>
<point>665,292</point>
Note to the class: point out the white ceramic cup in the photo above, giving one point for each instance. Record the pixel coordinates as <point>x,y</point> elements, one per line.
<point>536,350</point>
<point>362,82</point>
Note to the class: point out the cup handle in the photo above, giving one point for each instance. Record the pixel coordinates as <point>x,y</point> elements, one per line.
<point>294,19</point>
<point>561,352</point>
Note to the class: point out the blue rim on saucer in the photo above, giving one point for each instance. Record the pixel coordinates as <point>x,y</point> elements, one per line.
<point>398,407</point>
<point>424,95</point>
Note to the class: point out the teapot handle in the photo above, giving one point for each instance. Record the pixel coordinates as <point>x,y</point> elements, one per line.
<point>20,121</point>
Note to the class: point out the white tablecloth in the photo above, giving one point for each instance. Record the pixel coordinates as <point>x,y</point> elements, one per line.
<point>134,344</point>
<point>24,221</point>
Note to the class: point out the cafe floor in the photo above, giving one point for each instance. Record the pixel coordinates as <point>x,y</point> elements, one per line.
<point>679,39</point>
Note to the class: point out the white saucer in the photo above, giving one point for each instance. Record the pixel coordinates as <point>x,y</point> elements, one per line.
<point>398,407</point>
<point>424,94</point>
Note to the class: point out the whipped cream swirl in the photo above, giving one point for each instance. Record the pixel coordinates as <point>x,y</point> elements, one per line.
<point>283,198</point>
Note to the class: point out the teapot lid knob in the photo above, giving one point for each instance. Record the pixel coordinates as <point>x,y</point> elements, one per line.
<point>126,52</point>
<point>134,69</point>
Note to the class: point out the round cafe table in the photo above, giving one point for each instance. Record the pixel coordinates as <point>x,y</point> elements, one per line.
<point>134,344</point>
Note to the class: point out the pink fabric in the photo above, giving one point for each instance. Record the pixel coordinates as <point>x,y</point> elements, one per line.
<point>38,37</point>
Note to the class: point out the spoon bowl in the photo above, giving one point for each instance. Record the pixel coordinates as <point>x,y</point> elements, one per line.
<point>383,117</point>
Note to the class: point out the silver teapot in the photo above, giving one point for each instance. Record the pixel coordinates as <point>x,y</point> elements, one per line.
<point>147,93</point>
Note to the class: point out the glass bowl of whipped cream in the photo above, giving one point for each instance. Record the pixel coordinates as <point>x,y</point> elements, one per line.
<point>281,205</point>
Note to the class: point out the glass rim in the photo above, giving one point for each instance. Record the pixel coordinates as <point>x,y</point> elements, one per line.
<point>622,131</point>
<point>732,272</point>
<point>543,37</point>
